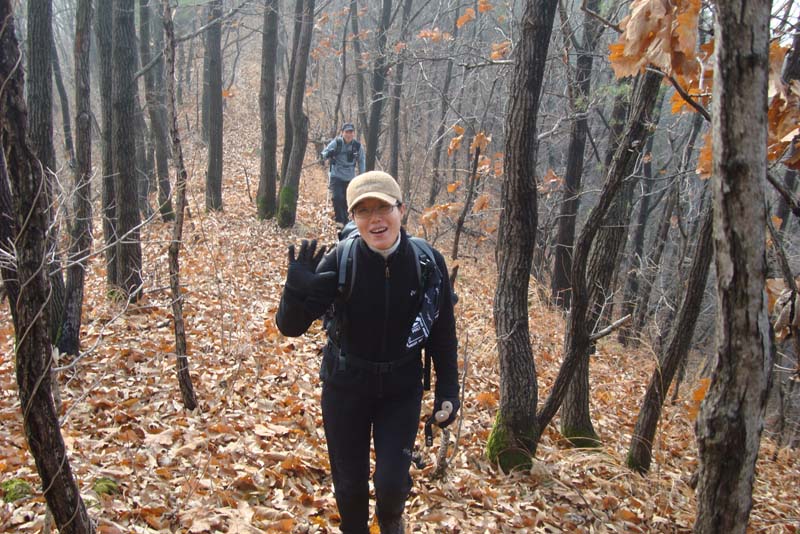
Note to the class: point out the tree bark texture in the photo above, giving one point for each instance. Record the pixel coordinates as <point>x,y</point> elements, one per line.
<point>516,434</point>
<point>268,177</point>
<point>66,120</point>
<point>103,28</point>
<point>732,415</point>
<point>33,352</point>
<point>397,93</point>
<point>640,452</point>
<point>288,126</point>
<point>358,61</point>
<point>214,51</point>
<point>128,245</point>
<point>573,175</point>
<point>156,104</point>
<point>287,207</point>
<point>577,339</point>
<point>40,131</point>
<point>81,226</point>
<point>436,181</point>
<point>378,85</point>
<point>182,360</point>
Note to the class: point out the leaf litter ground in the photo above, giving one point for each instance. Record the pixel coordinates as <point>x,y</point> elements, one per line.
<point>252,458</point>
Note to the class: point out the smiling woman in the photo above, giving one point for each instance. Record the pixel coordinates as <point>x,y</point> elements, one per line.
<point>372,198</point>
<point>372,371</point>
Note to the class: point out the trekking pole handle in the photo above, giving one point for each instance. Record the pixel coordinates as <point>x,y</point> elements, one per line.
<point>444,414</point>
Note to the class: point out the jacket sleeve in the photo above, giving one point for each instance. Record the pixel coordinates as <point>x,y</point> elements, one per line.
<point>442,343</point>
<point>297,311</point>
<point>329,150</point>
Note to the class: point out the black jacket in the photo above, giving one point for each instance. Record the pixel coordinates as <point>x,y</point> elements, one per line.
<point>382,306</point>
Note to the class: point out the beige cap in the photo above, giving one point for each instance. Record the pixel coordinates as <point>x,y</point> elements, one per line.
<point>373,184</point>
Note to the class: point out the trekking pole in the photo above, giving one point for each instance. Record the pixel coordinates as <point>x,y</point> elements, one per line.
<point>440,416</point>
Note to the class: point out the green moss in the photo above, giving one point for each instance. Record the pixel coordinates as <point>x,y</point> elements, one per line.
<point>106,486</point>
<point>509,453</point>
<point>287,206</point>
<point>582,438</point>
<point>15,489</point>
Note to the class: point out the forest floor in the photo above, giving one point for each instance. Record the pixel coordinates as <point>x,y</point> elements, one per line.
<point>252,457</point>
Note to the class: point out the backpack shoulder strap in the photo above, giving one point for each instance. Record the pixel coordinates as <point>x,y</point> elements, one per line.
<point>346,261</point>
<point>423,254</point>
<point>339,145</point>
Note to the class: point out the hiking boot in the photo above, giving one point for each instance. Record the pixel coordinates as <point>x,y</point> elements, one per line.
<point>392,526</point>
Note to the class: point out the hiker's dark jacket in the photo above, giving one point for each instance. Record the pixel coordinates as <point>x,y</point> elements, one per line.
<point>382,306</point>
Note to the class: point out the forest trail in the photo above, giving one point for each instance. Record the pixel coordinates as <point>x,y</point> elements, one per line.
<point>252,458</point>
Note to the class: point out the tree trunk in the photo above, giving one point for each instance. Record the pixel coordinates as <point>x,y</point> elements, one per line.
<point>578,340</point>
<point>268,177</point>
<point>378,84</point>
<point>129,248</point>
<point>288,126</point>
<point>515,434</point>
<point>287,206</point>
<point>103,29</point>
<point>33,352</point>
<point>652,262</point>
<point>732,414</point>
<point>637,254</point>
<point>342,84</point>
<point>40,127</point>
<point>81,227</point>
<point>182,363</point>
<point>579,100</point>
<point>397,93</point>
<point>576,423</point>
<point>641,447</point>
<point>436,180</point>
<point>358,61</point>
<point>64,100</point>
<point>156,107</point>
<point>214,170</point>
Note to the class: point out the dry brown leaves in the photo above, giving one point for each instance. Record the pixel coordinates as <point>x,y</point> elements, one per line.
<point>252,458</point>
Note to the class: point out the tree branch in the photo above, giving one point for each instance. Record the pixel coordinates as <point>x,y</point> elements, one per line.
<point>599,17</point>
<point>786,194</point>
<point>610,328</point>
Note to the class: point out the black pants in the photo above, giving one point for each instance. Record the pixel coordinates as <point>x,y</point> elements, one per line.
<point>338,189</point>
<point>349,417</point>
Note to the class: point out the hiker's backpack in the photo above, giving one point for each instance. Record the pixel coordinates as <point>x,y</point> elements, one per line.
<point>354,153</point>
<point>429,278</point>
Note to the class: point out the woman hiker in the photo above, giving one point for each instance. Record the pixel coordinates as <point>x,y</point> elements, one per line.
<point>393,301</point>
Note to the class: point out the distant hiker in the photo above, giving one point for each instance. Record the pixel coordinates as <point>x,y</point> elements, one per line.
<point>391,298</point>
<point>344,153</point>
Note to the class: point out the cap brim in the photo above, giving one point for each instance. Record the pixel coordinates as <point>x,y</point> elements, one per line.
<point>380,196</point>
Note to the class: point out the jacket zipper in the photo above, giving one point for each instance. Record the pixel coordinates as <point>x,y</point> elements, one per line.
<point>385,311</point>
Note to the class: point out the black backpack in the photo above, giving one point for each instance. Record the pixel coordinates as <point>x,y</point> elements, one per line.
<point>428,275</point>
<point>354,153</point>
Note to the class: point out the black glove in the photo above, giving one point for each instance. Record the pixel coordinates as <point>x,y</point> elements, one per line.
<point>302,276</point>
<point>437,407</point>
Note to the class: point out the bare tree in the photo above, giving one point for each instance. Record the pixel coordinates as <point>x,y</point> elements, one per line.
<point>128,245</point>
<point>287,206</point>
<point>29,289</point>
<point>579,92</point>
<point>732,415</point>
<point>378,85</point>
<point>516,432</point>
<point>214,52</point>
<point>156,104</point>
<point>268,178</point>
<point>81,225</point>
<point>103,31</point>
<point>182,361</point>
